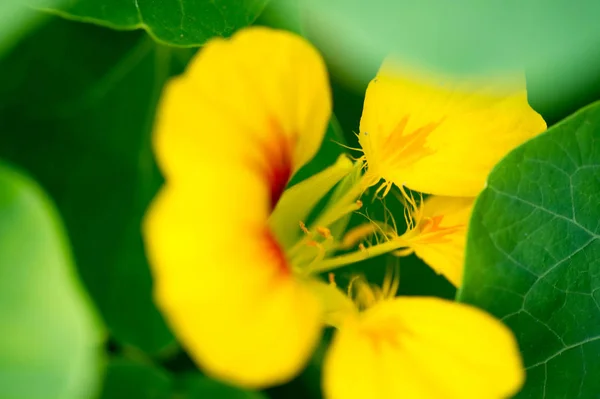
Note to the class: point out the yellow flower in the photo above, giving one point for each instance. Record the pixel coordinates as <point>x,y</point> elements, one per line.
<point>437,234</point>
<point>441,135</point>
<point>234,263</point>
<point>416,347</point>
<point>245,116</point>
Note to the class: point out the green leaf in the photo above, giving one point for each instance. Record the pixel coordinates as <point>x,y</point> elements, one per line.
<point>199,387</point>
<point>126,379</point>
<point>465,36</point>
<point>331,148</point>
<point>16,19</point>
<point>77,106</point>
<point>177,22</point>
<point>50,346</point>
<point>533,255</point>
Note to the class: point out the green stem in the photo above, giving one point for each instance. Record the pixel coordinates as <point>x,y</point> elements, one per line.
<point>357,256</point>
<point>343,206</point>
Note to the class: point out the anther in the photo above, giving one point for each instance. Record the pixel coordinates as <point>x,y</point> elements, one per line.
<point>324,231</point>
<point>331,279</point>
<point>303,228</point>
<point>313,243</point>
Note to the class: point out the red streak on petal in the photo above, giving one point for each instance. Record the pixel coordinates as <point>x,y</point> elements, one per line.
<point>271,158</point>
<point>274,251</point>
<point>280,170</point>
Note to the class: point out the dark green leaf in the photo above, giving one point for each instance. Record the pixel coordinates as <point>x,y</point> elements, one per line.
<point>50,345</point>
<point>199,387</point>
<point>77,106</point>
<point>126,379</point>
<point>177,22</point>
<point>533,255</point>
<point>329,152</point>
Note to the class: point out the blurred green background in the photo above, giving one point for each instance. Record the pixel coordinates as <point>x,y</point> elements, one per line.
<point>79,83</point>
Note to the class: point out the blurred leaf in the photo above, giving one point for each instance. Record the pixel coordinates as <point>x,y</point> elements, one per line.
<point>200,387</point>
<point>572,84</point>
<point>77,106</point>
<point>533,256</point>
<point>330,150</point>
<point>50,346</point>
<point>177,22</point>
<point>465,36</point>
<point>16,19</point>
<point>126,379</point>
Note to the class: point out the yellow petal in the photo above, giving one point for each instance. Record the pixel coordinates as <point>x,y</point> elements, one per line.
<point>260,99</point>
<point>226,289</point>
<point>441,235</point>
<point>442,135</point>
<point>423,348</point>
<point>247,113</point>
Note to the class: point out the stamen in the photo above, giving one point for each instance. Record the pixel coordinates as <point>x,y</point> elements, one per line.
<point>357,234</point>
<point>324,232</point>
<point>358,256</point>
<point>347,146</point>
<point>387,185</point>
<point>331,278</point>
<point>391,282</point>
<point>403,252</point>
<point>303,228</point>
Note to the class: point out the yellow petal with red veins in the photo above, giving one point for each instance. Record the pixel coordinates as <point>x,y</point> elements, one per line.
<point>259,100</point>
<point>231,130</point>
<point>440,235</point>
<point>226,288</point>
<point>423,348</point>
<point>441,135</point>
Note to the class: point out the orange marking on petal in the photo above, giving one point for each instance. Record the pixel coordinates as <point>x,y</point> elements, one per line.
<point>402,148</point>
<point>274,251</point>
<point>432,232</point>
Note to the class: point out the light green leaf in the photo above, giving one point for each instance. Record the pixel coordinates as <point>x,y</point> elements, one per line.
<point>533,255</point>
<point>16,19</point>
<point>50,345</point>
<point>458,36</point>
<point>176,22</point>
<point>81,124</point>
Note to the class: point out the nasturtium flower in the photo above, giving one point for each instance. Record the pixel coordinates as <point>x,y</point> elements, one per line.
<point>437,234</point>
<point>416,347</point>
<point>441,135</point>
<point>246,115</point>
<point>236,255</point>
